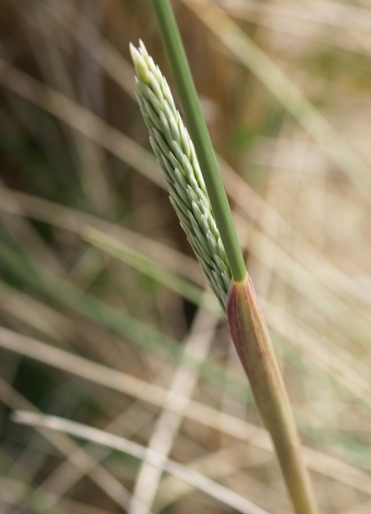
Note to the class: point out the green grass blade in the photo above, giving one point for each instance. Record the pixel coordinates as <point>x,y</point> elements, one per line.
<point>200,136</point>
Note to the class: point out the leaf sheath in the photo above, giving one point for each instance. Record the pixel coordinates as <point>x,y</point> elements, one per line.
<point>253,344</point>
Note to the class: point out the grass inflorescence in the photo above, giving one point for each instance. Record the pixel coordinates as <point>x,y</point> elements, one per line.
<point>188,194</point>
<point>177,157</point>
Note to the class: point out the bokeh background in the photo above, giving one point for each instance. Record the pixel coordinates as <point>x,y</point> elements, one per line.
<point>105,317</point>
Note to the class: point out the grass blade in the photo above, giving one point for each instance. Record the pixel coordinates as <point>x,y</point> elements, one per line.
<point>200,135</point>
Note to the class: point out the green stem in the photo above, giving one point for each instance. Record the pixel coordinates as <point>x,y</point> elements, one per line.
<point>200,136</point>
<point>254,347</point>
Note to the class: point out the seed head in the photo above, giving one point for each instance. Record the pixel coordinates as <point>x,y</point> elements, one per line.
<point>176,155</point>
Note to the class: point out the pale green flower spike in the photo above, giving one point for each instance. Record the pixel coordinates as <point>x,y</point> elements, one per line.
<point>176,155</point>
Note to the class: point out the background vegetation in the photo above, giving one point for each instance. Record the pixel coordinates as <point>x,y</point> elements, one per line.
<point>105,319</point>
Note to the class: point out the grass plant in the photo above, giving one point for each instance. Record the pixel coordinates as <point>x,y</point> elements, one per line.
<point>104,309</point>
<point>227,276</point>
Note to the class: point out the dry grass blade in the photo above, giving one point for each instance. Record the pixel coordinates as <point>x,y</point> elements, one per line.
<point>35,313</point>
<point>12,491</point>
<point>67,447</point>
<point>79,118</point>
<point>248,53</point>
<point>80,222</point>
<point>218,465</point>
<point>156,395</point>
<point>105,54</point>
<point>153,269</point>
<point>199,481</point>
<point>168,424</point>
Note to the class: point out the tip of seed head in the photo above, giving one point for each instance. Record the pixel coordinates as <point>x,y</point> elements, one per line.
<point>139,61</point>
<point>134,52</point>
<point>142,47</point>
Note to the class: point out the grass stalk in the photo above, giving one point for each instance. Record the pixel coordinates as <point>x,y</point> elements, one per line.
<point>200,135</point>
<point>253,344</point>
<point>200,201</point>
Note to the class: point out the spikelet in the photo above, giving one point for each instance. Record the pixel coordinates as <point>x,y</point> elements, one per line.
<point>176,155</point>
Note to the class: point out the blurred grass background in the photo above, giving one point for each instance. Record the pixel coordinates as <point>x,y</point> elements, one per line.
<point>96,270</point>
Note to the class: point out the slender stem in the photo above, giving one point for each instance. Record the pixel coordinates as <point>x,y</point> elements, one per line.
<point>254,347</point>
<point>200,136</point>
